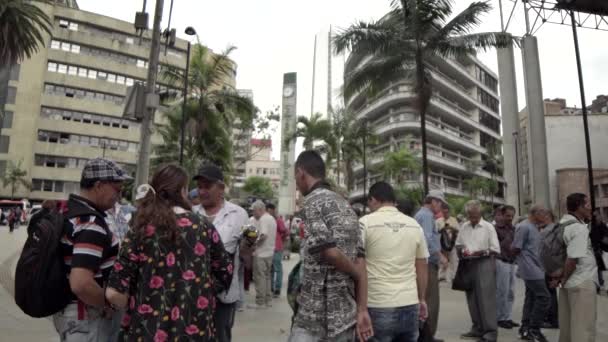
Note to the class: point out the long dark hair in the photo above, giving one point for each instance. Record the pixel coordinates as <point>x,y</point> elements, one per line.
<point>156,208</point>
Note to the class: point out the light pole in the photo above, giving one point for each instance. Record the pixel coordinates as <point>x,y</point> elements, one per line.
<point>191,32</point>
<point>516,140</point>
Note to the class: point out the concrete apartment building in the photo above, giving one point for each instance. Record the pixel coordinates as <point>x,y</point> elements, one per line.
<point>65,104</point>
<point>241,148</point>
<point>462,121</point>
<point>260,162</point>
<point>566,152</point>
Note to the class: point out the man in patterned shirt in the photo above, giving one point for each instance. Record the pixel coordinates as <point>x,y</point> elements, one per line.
<point>333,268</point>
<point>89,250</point>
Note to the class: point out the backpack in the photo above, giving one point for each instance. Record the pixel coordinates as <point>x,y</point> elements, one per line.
<point>553,248</point>
<point>41,285</point>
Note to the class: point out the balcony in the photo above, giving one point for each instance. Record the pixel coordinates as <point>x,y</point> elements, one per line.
<point>402,93</point>
<point>454,112</point>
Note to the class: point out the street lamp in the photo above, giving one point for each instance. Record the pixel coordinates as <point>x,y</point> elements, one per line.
<point>191,32</point>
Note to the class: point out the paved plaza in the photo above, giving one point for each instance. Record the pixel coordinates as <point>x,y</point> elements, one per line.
<point>267,325</point>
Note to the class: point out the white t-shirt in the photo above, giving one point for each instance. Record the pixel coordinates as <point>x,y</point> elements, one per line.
<point>266,225</point>
<point>578,246</point>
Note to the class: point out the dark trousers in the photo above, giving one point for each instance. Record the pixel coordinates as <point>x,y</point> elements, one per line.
<point>481,299</point>
<point>552,313</point>
<point>536,303</point>
<point>224,320</point>
<point>432,298</point>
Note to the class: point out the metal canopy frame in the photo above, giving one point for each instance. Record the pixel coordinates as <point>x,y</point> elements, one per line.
<point>553,12</point>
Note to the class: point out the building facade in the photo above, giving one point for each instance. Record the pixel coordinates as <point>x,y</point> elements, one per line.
<point>571,180</point>
<point>241,148</point>
<point>260,163</point>
<point>566,146</point>
<point>65,104</point>
<point>463,121</point>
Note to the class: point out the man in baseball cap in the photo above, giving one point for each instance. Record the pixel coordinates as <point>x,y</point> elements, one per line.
<point>89,249</point>
<point>425,217</point>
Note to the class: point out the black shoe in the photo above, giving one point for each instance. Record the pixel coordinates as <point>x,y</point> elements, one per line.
<point>549,325</point>
<point>536,336</point>
<point>513,324</point>
<point>524,334</point>
<point>505,324</point>
<point>471,335</point>
<point>437,340</point>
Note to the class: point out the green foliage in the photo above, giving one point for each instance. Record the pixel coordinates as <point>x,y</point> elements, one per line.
<point>457,204</point>
<point>397,163</point>
<point>413,193</point>
<point>259,187</point>
<point>15,176</point>
<point>23,26</point>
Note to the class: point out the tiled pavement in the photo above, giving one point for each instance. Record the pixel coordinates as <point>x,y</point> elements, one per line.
<point>252,326</point>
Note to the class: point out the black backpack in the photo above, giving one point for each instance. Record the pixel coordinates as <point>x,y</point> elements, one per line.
<point>553,248</point>
<point>41,285</point>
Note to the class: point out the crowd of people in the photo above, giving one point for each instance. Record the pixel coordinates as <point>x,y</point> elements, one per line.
<point>177,266</point>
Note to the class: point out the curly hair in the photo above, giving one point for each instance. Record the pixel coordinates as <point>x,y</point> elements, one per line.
<point>156,208</point>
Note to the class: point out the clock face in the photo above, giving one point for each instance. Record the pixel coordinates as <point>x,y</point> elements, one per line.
<point>288,91</point>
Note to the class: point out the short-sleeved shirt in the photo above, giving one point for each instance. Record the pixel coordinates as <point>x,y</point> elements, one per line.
<point>87,241</point>
<point>229,222</point>
<point>578,246</point>
<point>327,305</point>
<point>266,225</point>
<point>478,238</point>
<point>426,220</point>
<point>528,240</point>
<point>393,242</point>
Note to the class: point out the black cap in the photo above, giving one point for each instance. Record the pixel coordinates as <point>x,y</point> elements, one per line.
<point>211,173</point>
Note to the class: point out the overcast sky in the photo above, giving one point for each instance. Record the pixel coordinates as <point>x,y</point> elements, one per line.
<point>276,36</point>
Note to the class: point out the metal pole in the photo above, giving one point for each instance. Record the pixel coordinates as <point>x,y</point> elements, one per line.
<point>584,105</point>
<point>329,72</point>
<point>314,70</point>
<point>364,164</point>
<point>143,164</point>
<point>184,105</point>
<point>516,143</point>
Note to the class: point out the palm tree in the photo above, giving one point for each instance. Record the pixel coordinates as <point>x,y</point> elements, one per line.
<point>401,43</point>
<point>398,162</point>
<point>15,176</point>
<point>213,108</point>
<point>312,129</point>
<point>22,29</point>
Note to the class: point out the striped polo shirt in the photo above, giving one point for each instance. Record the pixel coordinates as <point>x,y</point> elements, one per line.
<point>87,242</point>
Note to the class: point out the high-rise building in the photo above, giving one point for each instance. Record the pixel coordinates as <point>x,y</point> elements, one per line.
<point>463,120</point>
<point>241,148</point>
<point>65,104</point>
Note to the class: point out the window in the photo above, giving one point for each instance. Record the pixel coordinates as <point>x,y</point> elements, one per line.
<point>489,121</point>
<point>5,142</point>
<point>47,185</point>
<point>92,74</point>
<point>487,99</point>
<point>73,27</point>
<point>141,63</point>
<point>36,185</point>
<point>64,23</point>
<point>7,120</point>
<point>72,70</point>
<point>130,40</point>
<point>52,66</point>
<point>55,44</point>
<point>102,75</point>
<point>120,79</point>
<point>129,82</point>
<point>75,48</point>
<point>62,68</point>
<point>82,72</point>
<point>65,46</point>
<point>112,78</point>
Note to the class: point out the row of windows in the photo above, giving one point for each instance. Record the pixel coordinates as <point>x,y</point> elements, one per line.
<point>487,99</point>
<point>95,74</point>
<point>489,121</point>
<point>485,140</point>
<point>49,185</point>
<point>67,162</point>
<point>7,119</point>
<point>92,51</point>
<point>113,35</point>
<point>54,89</point>
<point>85,140</point>
<point>485,78</point>
<point>265,171</point>
<point>87,118</point>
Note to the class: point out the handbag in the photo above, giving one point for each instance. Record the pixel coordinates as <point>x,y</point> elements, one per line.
<point>463,280</point>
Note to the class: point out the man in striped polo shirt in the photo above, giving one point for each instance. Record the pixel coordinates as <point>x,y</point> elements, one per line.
<point>89,249</point>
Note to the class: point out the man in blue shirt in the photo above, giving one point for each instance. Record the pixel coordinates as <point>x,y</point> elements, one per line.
<point>426,219</point>
<point>526,245</point>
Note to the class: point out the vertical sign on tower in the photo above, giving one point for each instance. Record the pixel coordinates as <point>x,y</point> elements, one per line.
<point>287,189</point>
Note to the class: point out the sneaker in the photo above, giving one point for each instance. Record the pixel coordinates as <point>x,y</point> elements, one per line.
<point>505,324</point>
<point>524,333</point>
<point>536,336</point>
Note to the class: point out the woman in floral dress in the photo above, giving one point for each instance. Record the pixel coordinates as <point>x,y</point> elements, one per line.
<point>170,266</point>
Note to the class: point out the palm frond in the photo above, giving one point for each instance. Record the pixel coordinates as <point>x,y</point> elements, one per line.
<point>465,21</point>
<point>23,26</point>
<point>469,44</point>
<point>375,75</point>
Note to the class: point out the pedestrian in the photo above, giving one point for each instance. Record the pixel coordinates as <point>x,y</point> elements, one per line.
<point>551,320</point>
<point>505,267</point>
<point>577,296</point>
<point>332,303</point>
<point>477,245</point>
<point>89,249</point>
<point>289,241</point>
<point>396,262</point>
<point>448,227</point>
<point>263,255</point>
<point>12,219</point>
<point>170,266</point>
<point>276,277</point>
<point>426,219</point>
<point>599,243</point>
<point>526,246</point>
<point>229,220</point>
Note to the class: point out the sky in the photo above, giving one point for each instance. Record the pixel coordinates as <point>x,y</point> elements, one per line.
<point>277,36</point>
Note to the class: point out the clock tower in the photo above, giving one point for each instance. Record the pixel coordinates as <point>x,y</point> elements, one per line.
<point>289,121</point>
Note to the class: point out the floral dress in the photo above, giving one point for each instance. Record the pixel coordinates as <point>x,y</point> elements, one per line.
<point>172,284</point>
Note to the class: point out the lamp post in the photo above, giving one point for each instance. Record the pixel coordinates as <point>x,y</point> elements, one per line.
<point>191,32</point>
<point>516,140</point>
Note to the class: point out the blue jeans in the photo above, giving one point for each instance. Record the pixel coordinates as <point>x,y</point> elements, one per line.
<point>395,324</point>
<point>505,290</point>
<point>277,272</point>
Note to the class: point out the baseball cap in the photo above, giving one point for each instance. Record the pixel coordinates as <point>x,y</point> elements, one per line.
<point>100,169</point>
<point>211,173</point>
<point>438,195</point>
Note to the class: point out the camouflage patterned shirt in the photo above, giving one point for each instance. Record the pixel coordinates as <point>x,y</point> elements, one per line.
<point>327,305</point>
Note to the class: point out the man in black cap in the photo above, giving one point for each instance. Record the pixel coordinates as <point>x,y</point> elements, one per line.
<point>229,220</point>
<point>89,249</point>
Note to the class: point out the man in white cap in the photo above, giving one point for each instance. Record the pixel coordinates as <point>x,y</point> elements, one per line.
<point>426,219</point>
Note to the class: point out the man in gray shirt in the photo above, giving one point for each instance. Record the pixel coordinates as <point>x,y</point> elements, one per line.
<point>526,245</point>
